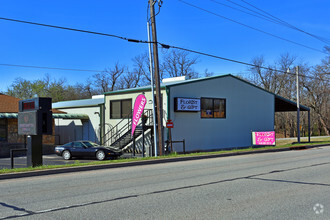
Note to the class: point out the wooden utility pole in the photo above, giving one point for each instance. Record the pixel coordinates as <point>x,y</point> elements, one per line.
<point>157,79</point>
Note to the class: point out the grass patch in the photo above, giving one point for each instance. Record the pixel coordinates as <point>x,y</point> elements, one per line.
<point>302,139</point>
<point>319,141</point>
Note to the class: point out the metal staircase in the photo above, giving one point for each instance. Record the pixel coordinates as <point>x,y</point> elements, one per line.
<point>119,136</point>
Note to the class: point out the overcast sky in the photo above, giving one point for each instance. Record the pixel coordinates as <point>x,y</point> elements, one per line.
<point>211,28</point>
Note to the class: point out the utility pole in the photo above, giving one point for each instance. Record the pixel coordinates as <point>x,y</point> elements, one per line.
<point>298,106</point>
<point>157,79</point>
<point>152,91</point>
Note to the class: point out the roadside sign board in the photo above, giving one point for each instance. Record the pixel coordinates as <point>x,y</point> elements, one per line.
<point>169,124</point>
<point>34,120</point>
<point>35,116</point>
<point>263,138</point>
<point>27,123</point>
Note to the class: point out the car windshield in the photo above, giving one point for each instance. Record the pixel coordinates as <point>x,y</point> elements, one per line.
<point>68,144</point>
<point>90,144</point>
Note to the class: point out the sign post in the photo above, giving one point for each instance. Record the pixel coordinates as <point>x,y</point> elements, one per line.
<point>34,120</point>
<point>170,125</point>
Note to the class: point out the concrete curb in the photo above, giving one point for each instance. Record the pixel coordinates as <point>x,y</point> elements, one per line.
<point>146,162</point>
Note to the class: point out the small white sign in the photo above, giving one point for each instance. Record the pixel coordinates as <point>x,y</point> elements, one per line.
<point>187,105</point>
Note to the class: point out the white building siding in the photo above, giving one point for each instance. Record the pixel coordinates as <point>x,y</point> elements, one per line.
<point>71,130</point>
<point>247,109</point>
<point>113,97</point>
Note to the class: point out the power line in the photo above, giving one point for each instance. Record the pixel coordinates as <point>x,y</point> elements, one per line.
<point>237,9</point>
<point>130,40</point>
<point>51,68</point>
<point>166,47</point>
<point>253,28</point>
<point>281,22</point>
<point>234,61</point>
<point>74,29</point>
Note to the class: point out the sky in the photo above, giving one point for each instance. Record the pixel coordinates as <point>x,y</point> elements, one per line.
<point>211,28</point>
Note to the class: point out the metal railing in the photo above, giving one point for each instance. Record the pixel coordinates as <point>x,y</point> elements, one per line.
<point>12,155</point>
<point>124,126</point>
<point>169,146</point>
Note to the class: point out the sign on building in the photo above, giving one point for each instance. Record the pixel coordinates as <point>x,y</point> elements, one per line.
<point>187,105</point>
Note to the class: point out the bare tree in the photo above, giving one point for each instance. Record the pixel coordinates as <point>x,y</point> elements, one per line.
<point>80,91</point>
<point>108,79</point>
<point>207,73</point>
<point>142,68</point>
<point>314,89</point>
<point>317,92</point>
<point>274,79</point>
<point>130,80</point>
<point>179,63</point>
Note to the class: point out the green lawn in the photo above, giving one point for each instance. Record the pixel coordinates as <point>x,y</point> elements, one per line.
<point>303,139</point>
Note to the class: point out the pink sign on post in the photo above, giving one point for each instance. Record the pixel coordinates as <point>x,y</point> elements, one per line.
<point>139,104</point>
<point>263,138</point>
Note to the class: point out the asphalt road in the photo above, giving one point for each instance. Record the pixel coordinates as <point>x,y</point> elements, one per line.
<point>282,185</point>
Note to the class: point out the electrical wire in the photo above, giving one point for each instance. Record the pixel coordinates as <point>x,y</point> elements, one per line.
<point>253,28</point>
<point>51,68</point>
<point>130,40</point>
<point>323,39</point>
<point>237,9</point>
<point>74,29</point>
<point>235,61</point>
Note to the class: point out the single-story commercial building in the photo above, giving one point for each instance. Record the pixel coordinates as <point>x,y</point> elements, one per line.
<point>82,121</point>
<point>209,113</point>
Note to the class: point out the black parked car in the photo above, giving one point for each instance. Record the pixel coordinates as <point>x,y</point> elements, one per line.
<point>86,149</point>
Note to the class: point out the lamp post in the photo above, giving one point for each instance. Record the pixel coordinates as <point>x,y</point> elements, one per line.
<point>298,106</point>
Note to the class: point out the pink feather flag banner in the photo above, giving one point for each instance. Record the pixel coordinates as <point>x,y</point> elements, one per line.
<point>139,104</point>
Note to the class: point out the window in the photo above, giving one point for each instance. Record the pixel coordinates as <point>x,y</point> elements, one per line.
<point>213,108</point>
<point>78,144</point>
<point>68,144</point>
<point>3,129</point>
<point>120,108</point>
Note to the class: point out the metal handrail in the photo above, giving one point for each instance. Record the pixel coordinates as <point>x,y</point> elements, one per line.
<point>124,126</point>
<point>12,151</point>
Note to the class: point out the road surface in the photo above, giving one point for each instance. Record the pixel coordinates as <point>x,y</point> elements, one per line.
<point>282,185</point>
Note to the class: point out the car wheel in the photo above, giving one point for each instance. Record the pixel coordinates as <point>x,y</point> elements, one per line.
<point>100,155</point>
<point>66,155</point>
